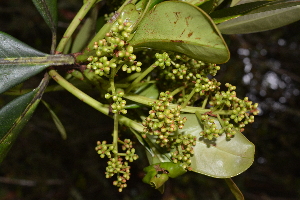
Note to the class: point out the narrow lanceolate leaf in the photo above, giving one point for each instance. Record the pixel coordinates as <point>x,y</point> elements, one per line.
<point>181,27</point>
<point>234,189</point>
<point>15,115</point>
<point>60,127</point>
<point>270,16</point>
<point>221,158</point>
<point>18,61</point>
<point>48,10</point>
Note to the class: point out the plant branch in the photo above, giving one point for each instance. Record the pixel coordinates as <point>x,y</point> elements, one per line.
<point>78,93</point>
<point>74,24</point>
<point>188,98</point>
<point>138,79</point>
<point>189,109</point>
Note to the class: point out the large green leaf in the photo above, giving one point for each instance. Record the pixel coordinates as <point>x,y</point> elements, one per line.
<point>19,61</point>
<point>270,16</point>
<point>48,10</point>
<point>184,28</point>
<point>222,158</point>
<point>15,115</point>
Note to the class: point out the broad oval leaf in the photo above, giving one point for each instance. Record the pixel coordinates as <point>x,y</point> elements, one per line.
<point>222,158</point>
<point>15,115</point>
<point>270,16</point>
<point>18,61</point>
<point>181,27</point>
<point>48,10</point>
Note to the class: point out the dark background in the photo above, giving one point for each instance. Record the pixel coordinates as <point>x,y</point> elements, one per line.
<point>264,66</point>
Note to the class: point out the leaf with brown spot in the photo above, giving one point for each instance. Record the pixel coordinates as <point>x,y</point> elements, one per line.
<point>168,26</point>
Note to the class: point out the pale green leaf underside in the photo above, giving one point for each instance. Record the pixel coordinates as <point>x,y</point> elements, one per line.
<point>223,159</point>
<point>262,19</point>
<point>183,28</point>
<point>15,115</point>
<point>18,61</point>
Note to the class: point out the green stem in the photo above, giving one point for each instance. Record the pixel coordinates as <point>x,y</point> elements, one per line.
<point>130,77</point>
<point>78,93</point>
<point>75,22</point>
<point>177,90</point>
<point>205,102</point>
<point>53,44</point>
<point>116,133</point>
<point>188,98</point>
<point>138,79</point>
<point>130,123</point>
<point>189,109</point>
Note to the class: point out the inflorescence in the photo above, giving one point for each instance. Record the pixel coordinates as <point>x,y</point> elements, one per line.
<point>116,165</point>
<point>192,81</point>
<point>114,52</point>
<point>163,124</point>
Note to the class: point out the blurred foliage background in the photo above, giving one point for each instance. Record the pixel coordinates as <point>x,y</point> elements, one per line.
<point>264,66</point>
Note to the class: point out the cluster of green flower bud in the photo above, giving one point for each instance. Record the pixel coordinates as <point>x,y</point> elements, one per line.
<point>130,151</point>
<point>163,122</point>
<point>204,85</point>
<point>237,113</point>
<point>210,129</point>
<point>122,169</point>
<point>105,150</point>
<point>190,73</point>
<point>183,146</point>
<point>115,165</point>
<point>119,103</point>
<point>114,51</point>
<point>162,60</point>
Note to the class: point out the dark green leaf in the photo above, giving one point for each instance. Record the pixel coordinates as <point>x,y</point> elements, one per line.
<point>209,6</point>
<point>270,16</point>
<point>236,11</point>
<point>15,115</point>
<point>221,158</point>
<point>48,9</point>
<point>19,61</point>
<point>181,27</point>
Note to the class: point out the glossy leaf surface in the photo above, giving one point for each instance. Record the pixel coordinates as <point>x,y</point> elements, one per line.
<point>222,158</point>
<point>48,10</point>
<point>183,28</point>
<point>15,115</point>
<point>270,16</point>
<point>18,61</point>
